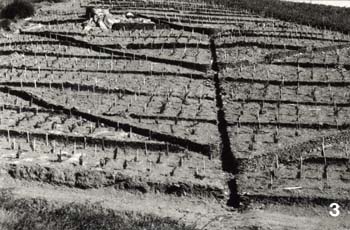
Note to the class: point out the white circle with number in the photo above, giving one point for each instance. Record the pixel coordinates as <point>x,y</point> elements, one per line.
<point>335,209</point>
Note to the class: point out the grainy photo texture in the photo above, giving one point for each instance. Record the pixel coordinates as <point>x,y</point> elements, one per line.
<point>174,114</point>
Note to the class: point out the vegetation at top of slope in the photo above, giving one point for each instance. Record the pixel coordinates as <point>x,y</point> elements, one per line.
<point>18,9</point>
<point>49,1</point>
<point>322,16</point>
<point>39,214</point>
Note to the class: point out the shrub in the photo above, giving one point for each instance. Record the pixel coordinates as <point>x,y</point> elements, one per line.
<point>2,4</point>
<point>5,24</point>
<point>18,9</point>
<point>49,1</point>
<point>329,17</point>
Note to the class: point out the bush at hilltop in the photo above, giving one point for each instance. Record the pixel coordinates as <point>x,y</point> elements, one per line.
<point>322,16</point>
<point>18,9</point>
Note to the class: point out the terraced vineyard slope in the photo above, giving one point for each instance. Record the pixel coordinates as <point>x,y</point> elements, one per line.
<point>210,116</point>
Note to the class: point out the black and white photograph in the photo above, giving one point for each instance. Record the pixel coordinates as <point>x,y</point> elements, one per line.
<point>174,114</point>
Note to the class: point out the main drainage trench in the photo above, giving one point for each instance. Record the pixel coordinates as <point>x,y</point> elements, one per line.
<point>228,160</point>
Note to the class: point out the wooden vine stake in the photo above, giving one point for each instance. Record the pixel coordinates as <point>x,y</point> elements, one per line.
<point>85,143</point>
<point>13,144</point>
<point>325,174</point>
<point>53,147</point>
<point>8,136</point>
<point>74,148</point>
<point>146,152</point>
<point>277,162</point>
<point>59,156</point>
<point>204,165</point>
<point>136,156</point>
<point>125,164</point>
<point>180,162</point>
<point>115,153</point>
<point>301,169</point>
<point>47,139</point>
<point>33,145</point>
<point>159,159</point>
<point>19,152</point>
<point>271,178</point>
<point>103,144</point>
<point>167,149</point>
<point>81,160</point>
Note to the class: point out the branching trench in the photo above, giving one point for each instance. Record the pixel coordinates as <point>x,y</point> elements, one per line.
<point>229,162</point>
<point>98,48</point>
<point>205,149</point>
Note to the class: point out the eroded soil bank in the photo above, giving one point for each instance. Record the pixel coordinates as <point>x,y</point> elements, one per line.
<point>36,213</point>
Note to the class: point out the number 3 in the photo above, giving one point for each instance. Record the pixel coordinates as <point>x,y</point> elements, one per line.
<point>335,209</point>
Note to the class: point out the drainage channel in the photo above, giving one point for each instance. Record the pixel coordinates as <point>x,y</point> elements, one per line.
<point>229,162</point>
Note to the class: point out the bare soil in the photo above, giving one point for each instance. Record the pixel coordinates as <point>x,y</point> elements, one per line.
<point>211,118</point>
